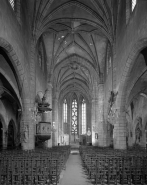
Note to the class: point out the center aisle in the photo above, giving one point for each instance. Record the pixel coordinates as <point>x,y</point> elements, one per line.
<point>74,173</point>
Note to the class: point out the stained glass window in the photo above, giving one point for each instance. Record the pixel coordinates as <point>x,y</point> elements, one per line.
<point>65,111</point>
<point>74,117</point>
<point>83,117</point>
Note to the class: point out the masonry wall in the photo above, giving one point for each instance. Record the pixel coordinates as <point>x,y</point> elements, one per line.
<point>11,32</point>
<point>19,36</point>
<point>128,37</point>
<point>6,70</point>
<point>16,38</point>
<point>131,33</point>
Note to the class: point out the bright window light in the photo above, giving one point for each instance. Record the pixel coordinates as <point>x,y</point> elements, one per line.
<point>12,3</point>
<point>133,4</point>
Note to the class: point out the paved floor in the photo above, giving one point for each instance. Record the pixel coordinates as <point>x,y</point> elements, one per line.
<point>74,173</point>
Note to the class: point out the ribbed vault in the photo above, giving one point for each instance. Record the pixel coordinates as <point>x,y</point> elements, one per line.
<point>75,35</point>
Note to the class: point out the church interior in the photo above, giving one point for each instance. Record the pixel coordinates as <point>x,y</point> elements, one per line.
<point>73,94</point>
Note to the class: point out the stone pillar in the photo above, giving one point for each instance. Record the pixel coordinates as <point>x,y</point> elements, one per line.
<point>60,123</point>
<point>80,119</point>
<point>88,120</point>
<point>93,122</point>
<point>48,95</point>
<point>100,116</point>
<point>5,138</point>
<point>28,126</point>
<point>119,132</point>
<point>69,119</point>
<point>55,119</point>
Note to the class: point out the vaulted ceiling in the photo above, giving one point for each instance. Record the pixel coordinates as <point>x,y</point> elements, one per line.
<point>75,35</point>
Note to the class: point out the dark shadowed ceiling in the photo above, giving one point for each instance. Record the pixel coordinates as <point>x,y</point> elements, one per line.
<point>75,35</point>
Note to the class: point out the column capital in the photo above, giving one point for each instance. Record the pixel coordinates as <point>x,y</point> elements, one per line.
<point>56,95</point>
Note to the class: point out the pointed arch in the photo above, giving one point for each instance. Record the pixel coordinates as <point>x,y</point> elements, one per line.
<point>123,88</point>
<point>19,73</point>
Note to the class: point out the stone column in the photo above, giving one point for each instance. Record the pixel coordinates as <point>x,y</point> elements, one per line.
<point>55,119</point>
<point>100,116</point>
<point>80,119</point>
<point>69,119</point>
<point>5,137</point>
<point>28,126</point>
<point>93,122</point>
<point>88,119</point>
<point>119,132</point>
<point>60,123</point>
<point>48,95</point>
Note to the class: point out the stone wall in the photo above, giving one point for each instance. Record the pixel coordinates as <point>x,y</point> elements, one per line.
<point>16,40</point>
<point>130,40</point>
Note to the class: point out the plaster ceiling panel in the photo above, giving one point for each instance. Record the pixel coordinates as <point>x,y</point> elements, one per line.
<point>57,3</point>
<point>72,50</point>
<point>73,10</point>
<point>73,71</point>
<point>84,40</point>
<point>86,28</point>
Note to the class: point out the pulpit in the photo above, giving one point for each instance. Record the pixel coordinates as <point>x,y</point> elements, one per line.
<point>43,131</point>
<point>43,128</point>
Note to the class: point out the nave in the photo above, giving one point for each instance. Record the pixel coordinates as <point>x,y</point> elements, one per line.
<point>74,174</point>
<point>64,165</point>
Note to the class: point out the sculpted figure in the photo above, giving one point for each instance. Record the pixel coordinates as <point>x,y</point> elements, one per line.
<point>26,133</point>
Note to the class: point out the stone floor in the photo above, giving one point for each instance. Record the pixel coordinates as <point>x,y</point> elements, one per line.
<point>74,173</point>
